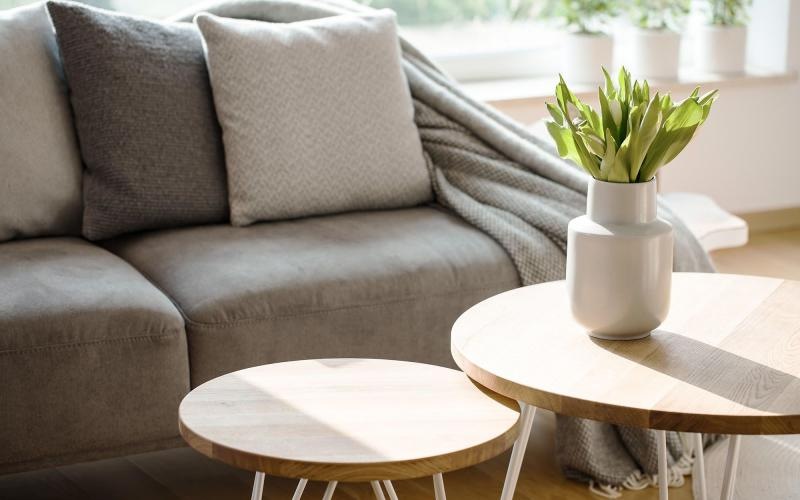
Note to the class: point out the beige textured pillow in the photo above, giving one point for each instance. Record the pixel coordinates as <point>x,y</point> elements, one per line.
<point>316,116</point>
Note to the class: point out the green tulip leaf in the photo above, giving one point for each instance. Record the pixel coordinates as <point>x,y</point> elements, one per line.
<point>675,134</point>
<point>619,173</point>
<point>708,97</point>
<point>609,156</point>
<point>605,113</point>
<point>642,138</point>
<point>611,92</point>
<point>593,143</point>
<point>564,141</point>
<point>558,117</point>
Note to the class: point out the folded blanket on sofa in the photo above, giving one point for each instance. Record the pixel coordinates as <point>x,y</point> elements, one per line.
<point>496,175</point>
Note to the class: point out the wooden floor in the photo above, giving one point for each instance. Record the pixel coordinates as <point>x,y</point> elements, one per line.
<point>184,474</point>
<point>774,254</point>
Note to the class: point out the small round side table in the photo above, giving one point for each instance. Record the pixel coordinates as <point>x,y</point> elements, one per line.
<point>726,361</point>
<point>348,420</point>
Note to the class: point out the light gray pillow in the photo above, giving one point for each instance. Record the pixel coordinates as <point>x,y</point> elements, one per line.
<point>40,165</point>
<point>316,116</point>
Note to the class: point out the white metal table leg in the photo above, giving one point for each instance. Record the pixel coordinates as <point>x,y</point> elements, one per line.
<point>518,453</point>
<point>729,481</point>
<point>663,466</point>
<point>376,488</point>
<point>258,487</point>
<point>438,486</point>
<point>390,489</point>
<point>700,466</point>
<point>301,487</point>
<point>329,490</point>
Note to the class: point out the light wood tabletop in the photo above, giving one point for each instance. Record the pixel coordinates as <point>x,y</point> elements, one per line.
<point>348,420</point>
<point>726,360</point>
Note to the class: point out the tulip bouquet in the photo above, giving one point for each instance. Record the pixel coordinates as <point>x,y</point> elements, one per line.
<point>632,136</point>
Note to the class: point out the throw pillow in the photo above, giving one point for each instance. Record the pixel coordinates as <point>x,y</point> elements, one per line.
<point>40,165</point>
<point>316,116</point>
<point>145,119</point>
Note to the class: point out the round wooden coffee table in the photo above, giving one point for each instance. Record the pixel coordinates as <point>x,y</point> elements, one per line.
<point>726,360</point>
<point>348,420</point>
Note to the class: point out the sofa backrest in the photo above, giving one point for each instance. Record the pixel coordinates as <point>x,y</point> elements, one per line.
<point>40,163</point>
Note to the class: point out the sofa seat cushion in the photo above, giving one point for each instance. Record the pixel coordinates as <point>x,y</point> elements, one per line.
<point>92,356</point>
<point>367,284</point>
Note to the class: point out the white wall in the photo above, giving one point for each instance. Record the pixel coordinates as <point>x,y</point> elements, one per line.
<point>747,155</point>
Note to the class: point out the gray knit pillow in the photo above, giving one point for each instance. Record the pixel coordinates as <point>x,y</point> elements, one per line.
<point>316,116</point>
<point>145,119</point>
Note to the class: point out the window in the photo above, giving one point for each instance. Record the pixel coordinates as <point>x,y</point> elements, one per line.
<point>154,8</point>
<point>479,39</point>
<point>471,39</point>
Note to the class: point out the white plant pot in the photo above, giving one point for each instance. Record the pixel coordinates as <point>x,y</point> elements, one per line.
<point>583,55</point>
<point>653,54</point>
<point>619,262</point>
<point>721,49</point>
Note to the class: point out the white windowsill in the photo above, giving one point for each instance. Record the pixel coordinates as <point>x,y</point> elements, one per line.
<point>527,90</point>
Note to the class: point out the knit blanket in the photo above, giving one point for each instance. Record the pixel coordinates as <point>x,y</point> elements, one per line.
<point>495,174</point>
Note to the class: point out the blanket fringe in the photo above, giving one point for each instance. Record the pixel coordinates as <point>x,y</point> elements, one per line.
<point>639,481</point>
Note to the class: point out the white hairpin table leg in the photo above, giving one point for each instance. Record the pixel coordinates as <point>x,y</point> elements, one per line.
<point>258,487</point>
<point>329,490</point>
<point>301,487</point>
<point>663,466</point>
<point>700,466</point>
<point>438,486</point>
<point>390,489</point>
<point>518,453</point>
<point>729,481</point>
<point>376,488</point>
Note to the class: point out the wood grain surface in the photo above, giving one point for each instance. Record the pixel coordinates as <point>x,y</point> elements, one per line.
<point>726,360</point>
<point>348,420</point>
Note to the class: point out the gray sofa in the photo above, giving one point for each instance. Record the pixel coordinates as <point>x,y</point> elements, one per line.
<point>99,345</point>
<point>100,341</point>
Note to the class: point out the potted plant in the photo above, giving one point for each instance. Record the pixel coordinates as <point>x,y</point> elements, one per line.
<point>586,46</point>
<point>654,44</point>
<point>721,42</point>
<point>619,255</point>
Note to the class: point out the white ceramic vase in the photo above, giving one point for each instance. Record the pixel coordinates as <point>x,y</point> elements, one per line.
<point>619,262</point>
<point>653,53</point>
<point>721,49</point>
<point>582,56</point>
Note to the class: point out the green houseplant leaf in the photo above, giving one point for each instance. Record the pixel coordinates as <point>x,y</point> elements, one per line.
<point>726,12</point>
<point>658,14</point>
<point>581,16</point>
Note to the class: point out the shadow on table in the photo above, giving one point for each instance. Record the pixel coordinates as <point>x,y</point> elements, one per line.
<point>733,377</point>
